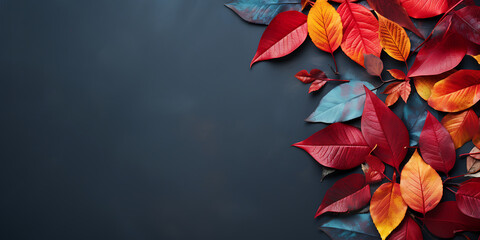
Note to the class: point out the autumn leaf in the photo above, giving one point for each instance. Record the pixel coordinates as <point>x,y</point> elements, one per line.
<point>407,230</point>
<point>421,186</point>
<point>373,169</point>
<point>351,227</point>
<point>446,220</point>
<point>396,90</point>
<point>337,146</point>
<point>456,92</point>
<point>325,27</point>
<point>343,103</point>
<point>387,208</point>
<point>286,32</point>
<point>394,39</point>
<point>382,128</point>
<point>348,194</point>
<point>468,198</point>
<point>473,161</point>
<point>466,22</point>
<point>425,8</point>
<point>360,32</point>
<point>316,77</point>
<point>262,11</point>
<point>373,65</point>
<point>462,126</point>
<point>441,53</point>
<point>397,74</point>
<point>424,84</point>
<point>394,11</point>
<point>436,145</point>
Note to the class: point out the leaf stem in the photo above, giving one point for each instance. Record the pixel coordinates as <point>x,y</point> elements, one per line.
<point>450,178</point>
<point>335,62</point>
<point>451,190</point>
<point>386,176</point>
<point>468,154</point>
<point>387,81</point>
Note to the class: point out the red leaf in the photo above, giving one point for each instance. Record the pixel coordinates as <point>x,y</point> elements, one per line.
<point>441,53</point>
<point>315,74</point>
<point>436,145</point>
<point>373,64</point>
<point>425,8</point>
<point>347,194</point>
<point>397,89</point>
<point>287,31</point>
<point>381,127</point>
<point>360,32</point>
<point>466,22</point>
<point>318,77</point>
<point>407,230</point>
<point>468,198</point>
<point>446,220</point>
<point>373,169</point>
<point>397,74</point>
<point>338,146</point>
<point>394,11</point>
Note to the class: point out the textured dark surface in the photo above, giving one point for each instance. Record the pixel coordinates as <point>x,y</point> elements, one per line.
<point>140,119</point>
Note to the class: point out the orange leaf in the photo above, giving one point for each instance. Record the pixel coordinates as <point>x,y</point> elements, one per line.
<point>360,32</point>
<point>421,186</point>
<point>424,84</point>
<point>395,90</point>
<point>387,208</point>
<point>325,26</point>
<point>397,74</point>
<point>393,38</point>
<point>462,126</point>
<point>457,92</point>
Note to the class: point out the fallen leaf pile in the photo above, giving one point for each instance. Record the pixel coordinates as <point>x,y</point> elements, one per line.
<point>419,148</point>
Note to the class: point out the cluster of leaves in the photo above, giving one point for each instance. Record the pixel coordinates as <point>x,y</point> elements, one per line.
<point>395,209</point>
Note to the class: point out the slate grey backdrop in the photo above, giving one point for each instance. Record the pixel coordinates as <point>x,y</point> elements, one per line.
<point>140,119</point>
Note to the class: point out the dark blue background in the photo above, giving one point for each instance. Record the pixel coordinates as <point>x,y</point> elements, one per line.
<point>141,119</point>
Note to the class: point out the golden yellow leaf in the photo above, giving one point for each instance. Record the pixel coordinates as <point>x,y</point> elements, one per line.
<point>325,26</point>
<point>393,38</point>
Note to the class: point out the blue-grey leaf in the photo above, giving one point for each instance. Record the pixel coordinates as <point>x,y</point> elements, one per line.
<point>352,227</point>
<point>414,115</point>
<point>262,11</point>
<point>343,103</point>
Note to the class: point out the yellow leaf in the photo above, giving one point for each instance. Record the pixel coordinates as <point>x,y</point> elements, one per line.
<point>393,38</point>
<point>421,186</point>
<point>387,208</point>
<point>325,26</point>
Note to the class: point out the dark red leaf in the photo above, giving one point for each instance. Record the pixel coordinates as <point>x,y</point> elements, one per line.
<point>408,230</point>
<point>347,194</point>
<point>466,22</point>
<point>315,74</point>
<point>436,145</point>
<point>338,146</point>
<point>394,11</point>
<point>381,127</point>
<point>287,31</point>
<point>317,77</point>
<point>468,198</point>
<point>373,169</point>
<point>446,219</point>
<point>441,53</point>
